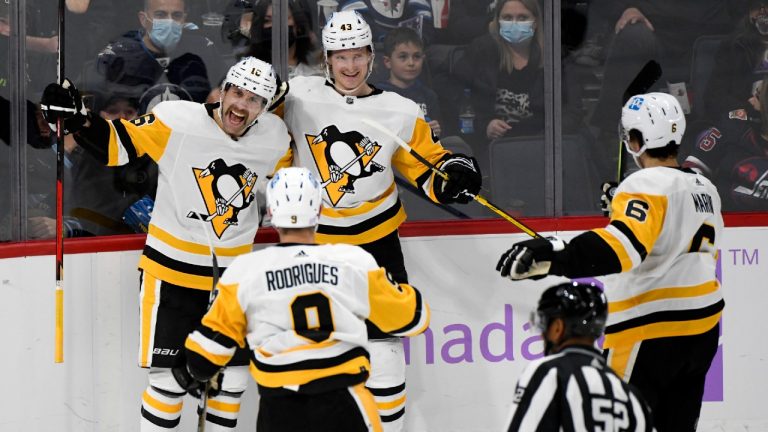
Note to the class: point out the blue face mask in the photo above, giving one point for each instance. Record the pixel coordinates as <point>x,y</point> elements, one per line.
<point>165,34</point>
<point>515,32</point>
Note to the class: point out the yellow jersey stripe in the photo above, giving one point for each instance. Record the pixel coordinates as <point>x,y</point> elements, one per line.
<point>175,277</point>
<point>299,377</point>
<point>312,346</point>
<point>617,247</point>
<point>366,207</point>
<point>217,359</point>
<point>383,229</point>
<point>148,305</point>
<point>660,330</point>
<point>223,406</point>
<point>368,406</point>
<point>391,404</point>
<point>195,248</point>
<point>161,406</point>
<point>664,294</point>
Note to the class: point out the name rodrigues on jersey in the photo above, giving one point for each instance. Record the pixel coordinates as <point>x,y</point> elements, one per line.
<point>703,203</point>
<point>309,273</point>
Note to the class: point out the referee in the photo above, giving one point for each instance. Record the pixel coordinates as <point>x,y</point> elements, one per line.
<point>571,388</point>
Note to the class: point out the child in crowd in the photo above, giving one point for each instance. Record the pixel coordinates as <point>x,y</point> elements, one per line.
<point>404,57</point>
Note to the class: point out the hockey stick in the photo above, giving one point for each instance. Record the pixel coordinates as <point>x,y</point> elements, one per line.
<point>58,356</point>
<point>480,199</point>
<point>344,169</point>
<point>647,77</point>
<point>202,406</point>
<point>416,191</point>
<point>208,217</point>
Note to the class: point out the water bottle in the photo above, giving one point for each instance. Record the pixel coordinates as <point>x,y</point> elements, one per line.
<point>466,114</point>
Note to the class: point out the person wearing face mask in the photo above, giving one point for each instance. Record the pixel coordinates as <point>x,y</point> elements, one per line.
<point>302,49</point>
<point>643,30</point>
<point>211,159</point>
<point>166,48</point>
<point>742,60</point>
<point>572,388</point>
<point>504,70</point>
<point>660,249</point>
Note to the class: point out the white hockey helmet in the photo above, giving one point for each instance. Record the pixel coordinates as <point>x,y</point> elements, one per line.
<point>657,116</point>
<point>254,75</point>
<point>345,30</point>
<point>293,198</point>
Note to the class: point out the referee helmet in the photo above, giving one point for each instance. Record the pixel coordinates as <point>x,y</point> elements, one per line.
<point>582,307</point>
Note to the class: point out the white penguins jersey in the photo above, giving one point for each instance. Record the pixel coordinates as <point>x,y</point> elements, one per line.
<point>360,197</point>
<point>203,174</point>
<point>664,230</point>
<point>301,309</point>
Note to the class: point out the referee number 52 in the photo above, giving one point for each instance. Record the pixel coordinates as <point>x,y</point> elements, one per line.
<point>610,415</point>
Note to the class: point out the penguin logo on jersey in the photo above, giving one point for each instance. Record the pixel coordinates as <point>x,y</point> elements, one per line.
<point>226,191</point>
<point>342,158</point>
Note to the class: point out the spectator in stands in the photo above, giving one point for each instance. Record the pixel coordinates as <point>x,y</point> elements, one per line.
<point>404,58</point>
<point>734,155</point>
<point>166,48</point>
<point>504,70</point>
<point>97,196</point>
<point>662,30</point>
<point>467,19</point>
<point>383,16</point>
<point>741,63</point>
<point>302,49</point>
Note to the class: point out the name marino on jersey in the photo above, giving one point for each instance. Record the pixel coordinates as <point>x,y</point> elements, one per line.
<point>663,218</point>
<point>206,182</point>
<point>703,203</point>
<point>302,274</point>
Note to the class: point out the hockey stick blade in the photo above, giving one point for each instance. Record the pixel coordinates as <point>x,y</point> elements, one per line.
<point>644,80</point>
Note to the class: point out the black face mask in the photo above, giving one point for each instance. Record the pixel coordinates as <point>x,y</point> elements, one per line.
<point>266,36</point>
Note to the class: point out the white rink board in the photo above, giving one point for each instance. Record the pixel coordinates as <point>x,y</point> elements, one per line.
<point>459,380</point>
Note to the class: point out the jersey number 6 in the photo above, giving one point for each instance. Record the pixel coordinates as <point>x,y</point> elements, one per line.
<point>312,317</point>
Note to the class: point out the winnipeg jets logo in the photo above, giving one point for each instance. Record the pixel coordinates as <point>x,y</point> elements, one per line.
<point>226,190</point>
<point>388,8</point>
<point>342,159</point>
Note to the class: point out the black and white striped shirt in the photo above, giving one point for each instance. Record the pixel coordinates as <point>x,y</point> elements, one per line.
<point>574,390</point>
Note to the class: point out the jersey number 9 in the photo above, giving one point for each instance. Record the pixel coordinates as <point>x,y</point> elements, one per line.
<point>312,317</point>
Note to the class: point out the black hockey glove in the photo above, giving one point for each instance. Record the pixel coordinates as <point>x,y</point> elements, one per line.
<point>608,190</point>
<point>63,101</point>
<point>194,386</point>
<point>464,179</point>
<point>529,259</point>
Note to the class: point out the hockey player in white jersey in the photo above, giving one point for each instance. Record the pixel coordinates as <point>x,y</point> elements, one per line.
<point>355,163</point>
<point>661,244</point>
<point>301,307</point>
<point>572,388</point>
<point>210,157</point>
